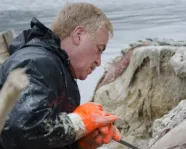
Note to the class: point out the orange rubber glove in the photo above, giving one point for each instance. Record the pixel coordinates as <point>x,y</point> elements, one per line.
<point>107,133</point>
<point>88,117</point>
<point>89,141</point>
<point>99,137</point>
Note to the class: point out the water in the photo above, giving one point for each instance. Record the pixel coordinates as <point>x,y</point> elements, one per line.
<point>132,19</point>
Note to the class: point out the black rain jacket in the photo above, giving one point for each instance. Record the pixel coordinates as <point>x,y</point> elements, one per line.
<point>39,119</point>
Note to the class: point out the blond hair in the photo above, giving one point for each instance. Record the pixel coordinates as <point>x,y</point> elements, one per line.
<point>83,14</point>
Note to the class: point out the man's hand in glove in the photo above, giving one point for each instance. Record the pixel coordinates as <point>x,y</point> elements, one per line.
<point>88,117</point>
<point>99,137</point>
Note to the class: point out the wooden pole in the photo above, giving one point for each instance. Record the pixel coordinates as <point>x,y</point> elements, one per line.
<point>16,82</point>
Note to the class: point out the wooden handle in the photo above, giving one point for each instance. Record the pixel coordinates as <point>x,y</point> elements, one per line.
<point>16,82</point>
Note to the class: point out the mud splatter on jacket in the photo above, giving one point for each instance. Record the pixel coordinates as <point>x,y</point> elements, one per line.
<point>39,119</point>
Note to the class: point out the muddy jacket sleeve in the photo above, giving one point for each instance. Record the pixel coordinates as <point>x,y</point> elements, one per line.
<point>33,123</point>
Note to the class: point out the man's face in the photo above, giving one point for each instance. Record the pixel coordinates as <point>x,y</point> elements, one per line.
<point>87,54</point>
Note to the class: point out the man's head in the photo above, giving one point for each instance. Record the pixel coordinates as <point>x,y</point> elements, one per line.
<point>84,32</point>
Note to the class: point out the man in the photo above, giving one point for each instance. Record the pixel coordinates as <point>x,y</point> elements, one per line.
<point>48,114</point>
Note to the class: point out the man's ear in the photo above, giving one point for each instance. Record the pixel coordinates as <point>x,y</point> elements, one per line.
<point>77,34</point>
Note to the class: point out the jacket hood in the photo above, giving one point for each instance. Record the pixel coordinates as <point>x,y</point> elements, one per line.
<point>44,38</point>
